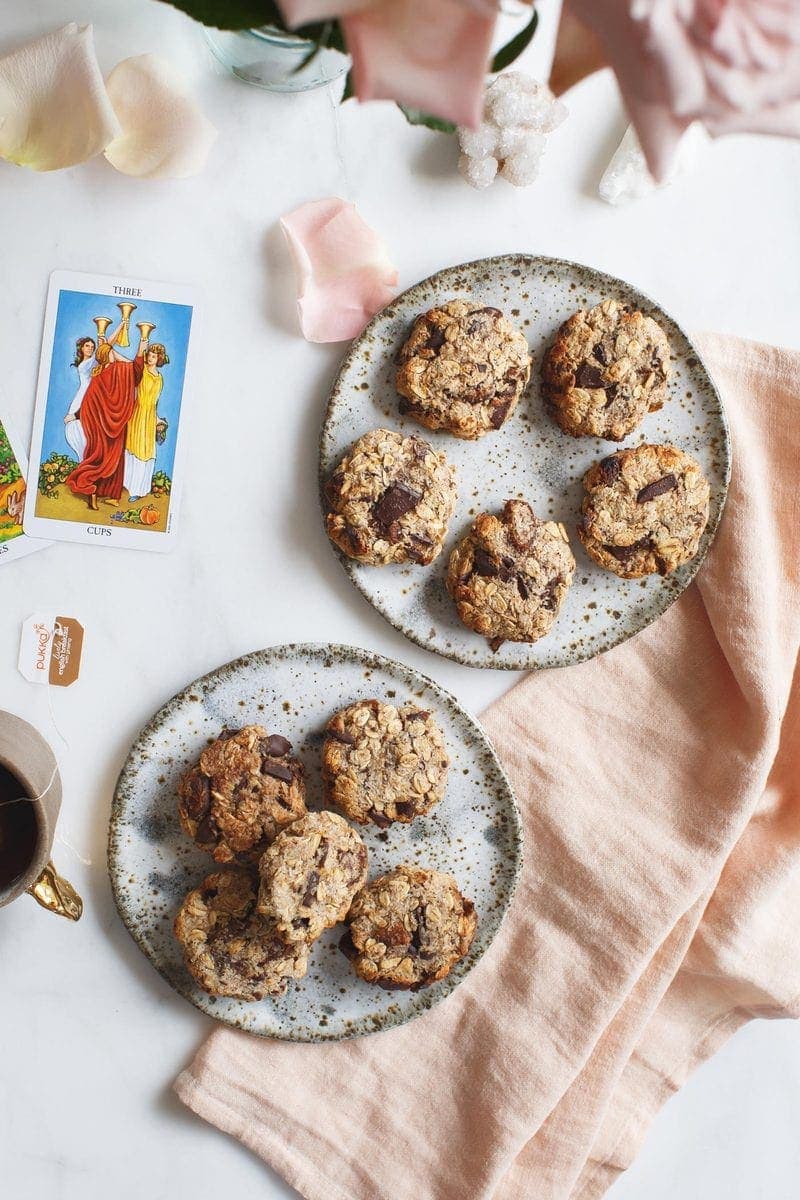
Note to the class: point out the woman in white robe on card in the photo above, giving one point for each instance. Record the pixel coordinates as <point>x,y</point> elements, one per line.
<point>84,363</point>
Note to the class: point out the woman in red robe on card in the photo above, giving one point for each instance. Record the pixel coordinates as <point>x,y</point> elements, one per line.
<point>105,411</point>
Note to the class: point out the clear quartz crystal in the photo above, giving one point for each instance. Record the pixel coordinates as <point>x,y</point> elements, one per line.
<point>627,178</point>
<point>480,142</point>
<point>518,113</point>
<point>521,169</point>
<point>479,172</point>
<point>552,116</point>
<point>511,140</point>
<point>513,81</point>
<point>514,108</point>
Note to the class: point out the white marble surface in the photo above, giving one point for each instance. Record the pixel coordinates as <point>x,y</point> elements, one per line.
<point>91,1038</point>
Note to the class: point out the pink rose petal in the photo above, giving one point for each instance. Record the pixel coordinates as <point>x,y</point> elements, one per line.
<point>429,55</point>
<point>304,12</point>
<point>344,275</point>
<point>734,65</point>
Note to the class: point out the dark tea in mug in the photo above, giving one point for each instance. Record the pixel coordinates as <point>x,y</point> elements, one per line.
<point>18,830</point>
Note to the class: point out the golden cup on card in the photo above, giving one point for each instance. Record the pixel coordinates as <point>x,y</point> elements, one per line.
<point>102,324</point>
<point>145,329</point>
<point>126,309</point>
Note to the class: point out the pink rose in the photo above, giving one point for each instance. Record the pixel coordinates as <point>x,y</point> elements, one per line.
<point>732,64</point>
<point>427,54</point>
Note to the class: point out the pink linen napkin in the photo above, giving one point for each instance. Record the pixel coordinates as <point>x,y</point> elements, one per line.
<point>655,914</point>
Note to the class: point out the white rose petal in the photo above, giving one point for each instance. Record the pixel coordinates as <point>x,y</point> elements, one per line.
<point>54,110</point>
<point>164,133</point>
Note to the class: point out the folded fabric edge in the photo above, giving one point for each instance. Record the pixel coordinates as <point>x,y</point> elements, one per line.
<point>731,349</point>
<point>215,1100</point>
<point>637,1113</point>
<point>598,1082</point>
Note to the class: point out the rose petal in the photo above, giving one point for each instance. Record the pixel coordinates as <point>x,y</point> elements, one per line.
<point>431,56</point>
<point>54,111</point>
<point>577,53</point>
<point>732,65</point>
<point>304,12</point>
<point>344,275</point>
<point>164,133</point>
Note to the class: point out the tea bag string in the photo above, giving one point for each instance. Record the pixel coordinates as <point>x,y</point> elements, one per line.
<point>337,140</point>
<point>60,838</point>
<point>32,799</point>
<point>49,690</point>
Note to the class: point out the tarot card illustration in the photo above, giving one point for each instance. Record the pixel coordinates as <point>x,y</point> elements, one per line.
<point>107,448</point>
<point>13,475</point>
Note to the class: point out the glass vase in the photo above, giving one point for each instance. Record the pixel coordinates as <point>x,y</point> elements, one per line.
<point>273,59</point>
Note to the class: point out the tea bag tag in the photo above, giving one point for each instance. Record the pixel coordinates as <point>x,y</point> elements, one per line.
<point>50,649</point>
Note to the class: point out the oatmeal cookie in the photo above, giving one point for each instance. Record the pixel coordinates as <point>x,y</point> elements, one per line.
<point>383,764</point>
<point>310,874</point>
<point>644,511</point>
<point>510,574</point>
<point>241,793</point>
<point>607,369</point>
<point>390,500</point>
<point>409,928</point>
<point>463,369</point>
<point>230,949</point>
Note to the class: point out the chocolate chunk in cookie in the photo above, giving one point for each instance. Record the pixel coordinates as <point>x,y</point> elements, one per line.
<point>310,874</point>
<point>409,928</point>
<point>462,369</point>
<point>231,950</point>
<point>390,500</point>
<point>607,368</point>
<point>510,574</point>
<point>243,791</point>
<point>644,511</point>
<point>382,764</point>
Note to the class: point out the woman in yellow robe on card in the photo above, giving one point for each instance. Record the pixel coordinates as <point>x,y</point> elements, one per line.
<point>140,440</point>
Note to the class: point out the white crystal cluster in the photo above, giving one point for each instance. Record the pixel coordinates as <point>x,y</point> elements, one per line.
<point>518,113</point>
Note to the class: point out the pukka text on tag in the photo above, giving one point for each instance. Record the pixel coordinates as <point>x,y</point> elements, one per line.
<point>50,649</point>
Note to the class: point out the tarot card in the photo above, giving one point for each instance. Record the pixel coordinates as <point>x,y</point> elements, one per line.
<point>108,444</point>
<point>13,481</point>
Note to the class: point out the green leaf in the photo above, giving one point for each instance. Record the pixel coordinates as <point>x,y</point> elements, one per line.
<point>326,35</point>
<point>415,116</point>
<point>317,46</point>
<point>508,54</point>
<point>336,40</point>
<point>349,90</point>
<point>232,14</point>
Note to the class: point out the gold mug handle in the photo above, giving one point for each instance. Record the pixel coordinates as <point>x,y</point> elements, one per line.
<point>55,894</point>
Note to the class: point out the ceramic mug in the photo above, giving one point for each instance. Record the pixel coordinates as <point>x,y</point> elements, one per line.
<point>26,756</point>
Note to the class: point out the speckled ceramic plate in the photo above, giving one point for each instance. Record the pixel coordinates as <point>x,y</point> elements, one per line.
<point>528,457</point>
<point>474,832</point>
